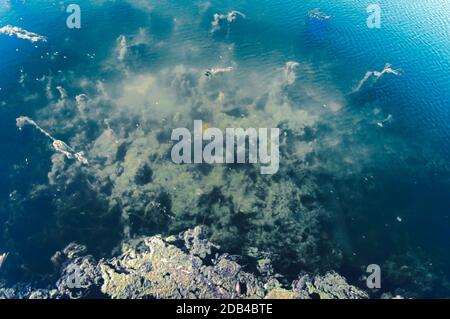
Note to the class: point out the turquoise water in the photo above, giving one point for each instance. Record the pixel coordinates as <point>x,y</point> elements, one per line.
<point>385,189</point>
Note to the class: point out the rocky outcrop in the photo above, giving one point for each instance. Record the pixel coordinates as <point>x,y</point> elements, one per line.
<point>329,286</point>
<point>184,266</point>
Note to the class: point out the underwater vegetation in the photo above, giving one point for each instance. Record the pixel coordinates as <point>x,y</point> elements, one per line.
<point>91,182</point>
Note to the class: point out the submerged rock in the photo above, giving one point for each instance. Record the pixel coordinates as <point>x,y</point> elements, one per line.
<point>155,268</point>
<point>329,286</point>
<point>174,267</point>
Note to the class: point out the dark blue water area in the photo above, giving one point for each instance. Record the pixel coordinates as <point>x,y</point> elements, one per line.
<point>414,37</point>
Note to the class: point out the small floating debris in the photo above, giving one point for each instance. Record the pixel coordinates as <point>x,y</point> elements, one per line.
<point>221,98</point>
<point>399,219</point>
<point>3,259</point>
<point>230,17</point>
<point>289,72</point>
<point>318,15</point>
<point>376,75</point>
<point>386,120</point>
<point>81,101</point>
<point>217,71</point>
<point>387,70</point>
<point>20,33</point>
<point>58,145</point>
<point>122,48</point>
<point>62,92</point>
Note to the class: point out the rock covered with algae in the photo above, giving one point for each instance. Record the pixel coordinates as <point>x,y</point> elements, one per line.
<point>329,286</point>
<point>175,267</point>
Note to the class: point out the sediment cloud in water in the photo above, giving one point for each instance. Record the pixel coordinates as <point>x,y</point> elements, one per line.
<point>124,125</point>
<point>123,120</point>
<point>125,139</point>
<point>22,34</point>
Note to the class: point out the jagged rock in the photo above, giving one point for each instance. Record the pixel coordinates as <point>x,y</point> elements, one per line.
<point>280,293</point>
<point>8,293</point>
<point>163,270</point>
<point>196,242</point>
<point>329,286</point>
<point>265,267</point>
<point>18,291</point>
<point>175,267</point>
<point>44,294</point>
<point>80,276</point>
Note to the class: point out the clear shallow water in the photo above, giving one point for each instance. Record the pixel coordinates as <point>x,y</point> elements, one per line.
<point>374,175</point>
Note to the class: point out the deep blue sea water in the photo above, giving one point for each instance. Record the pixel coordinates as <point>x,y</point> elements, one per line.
<point>393,183</point>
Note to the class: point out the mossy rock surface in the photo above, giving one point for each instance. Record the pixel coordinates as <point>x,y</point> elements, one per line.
<point>177,267</point>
